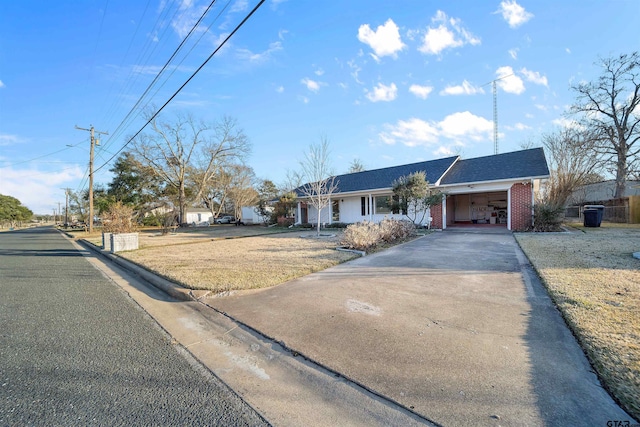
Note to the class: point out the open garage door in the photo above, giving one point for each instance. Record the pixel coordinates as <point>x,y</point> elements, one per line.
<point>477,208</point>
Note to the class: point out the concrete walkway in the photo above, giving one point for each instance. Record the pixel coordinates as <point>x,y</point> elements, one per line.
<point>454,326</point>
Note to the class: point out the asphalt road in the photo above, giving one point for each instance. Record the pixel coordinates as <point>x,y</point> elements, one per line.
<point>76,350</point>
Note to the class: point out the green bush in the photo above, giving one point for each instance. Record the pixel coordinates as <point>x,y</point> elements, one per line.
<point>338,225</point>
<point>547,216</point>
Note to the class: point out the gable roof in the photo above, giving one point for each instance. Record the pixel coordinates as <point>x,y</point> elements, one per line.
<point>522,164</point>
<point>515,165</point>
<point>383,178</point>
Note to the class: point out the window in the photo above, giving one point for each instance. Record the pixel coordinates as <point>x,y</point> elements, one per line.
<point>335,211</point>
<point>382,205</point>
<point>364,206</point>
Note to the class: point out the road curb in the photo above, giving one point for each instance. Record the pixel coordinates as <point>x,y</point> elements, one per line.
<point>172,289</point>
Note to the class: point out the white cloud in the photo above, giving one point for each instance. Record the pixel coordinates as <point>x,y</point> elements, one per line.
<point>282,33</point>
<point>447,33</point>
<point>509,81</point>
<point>514,53</point>
<point>513,13</point>
<point>534,77</point>
<point>383,93</point>
<point>187,18</point>
<point>239,6</point>
<point>312,85</point>
<point>318,72</point>
<point>355,71</point>
<point>1,84</point>
<point>280,89</point>
<point>412,133</point>
<point>454,130</point>
<point>465,88</point>
<point>518,126</point>
<point>6,140</point>
<point>421,91</point>
<point>39,191</point>
<point>385,41</point>
<point>259,58</point>
<point>466,125</point>
<point>567,123</point>
<point>568,50</point>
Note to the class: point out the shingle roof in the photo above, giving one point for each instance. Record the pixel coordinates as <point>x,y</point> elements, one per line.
<point>514,165</point>
<point>383,178</point>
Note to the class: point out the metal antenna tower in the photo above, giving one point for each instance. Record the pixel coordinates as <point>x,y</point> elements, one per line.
<point>495,110</point>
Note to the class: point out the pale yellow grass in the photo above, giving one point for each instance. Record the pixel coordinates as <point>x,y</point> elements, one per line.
<point>242,263</point>
<point>595,282</point>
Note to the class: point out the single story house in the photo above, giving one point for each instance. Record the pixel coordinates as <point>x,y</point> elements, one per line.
<point>497,189</point>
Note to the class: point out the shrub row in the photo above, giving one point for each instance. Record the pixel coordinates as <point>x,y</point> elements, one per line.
<point>364,236</point>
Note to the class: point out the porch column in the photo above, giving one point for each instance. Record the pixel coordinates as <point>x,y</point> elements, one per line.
<point>444,211</point>
<point>298,214</point>
<point>330,210</point>
<point>509,209</point>
<point>370,208</point>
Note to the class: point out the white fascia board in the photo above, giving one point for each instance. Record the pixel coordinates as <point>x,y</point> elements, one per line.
<point>437,183</point>
<point>494,185</point>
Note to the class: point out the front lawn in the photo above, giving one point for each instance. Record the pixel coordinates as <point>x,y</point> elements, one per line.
<point>594,280</point>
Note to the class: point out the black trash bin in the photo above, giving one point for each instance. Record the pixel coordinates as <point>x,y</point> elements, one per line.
<point>590,218</point>
<point>600,209</point>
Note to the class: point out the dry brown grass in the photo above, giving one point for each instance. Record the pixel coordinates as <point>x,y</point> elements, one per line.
<point>242,263</point>
<point>595,282</point>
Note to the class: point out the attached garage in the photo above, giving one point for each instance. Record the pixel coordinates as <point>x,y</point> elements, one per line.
<point>496,190</point>
<point>478,208</point>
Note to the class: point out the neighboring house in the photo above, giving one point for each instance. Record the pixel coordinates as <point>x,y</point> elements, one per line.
<point>250,215</point>
<point>198,215</point>
<point>492,189</point>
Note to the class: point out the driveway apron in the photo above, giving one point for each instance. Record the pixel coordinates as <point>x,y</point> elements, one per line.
<point>453,326</point>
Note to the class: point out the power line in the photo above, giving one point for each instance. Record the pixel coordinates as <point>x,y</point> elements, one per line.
<point>44,155</point>
<point>186,82</point>
<point>164,67</point>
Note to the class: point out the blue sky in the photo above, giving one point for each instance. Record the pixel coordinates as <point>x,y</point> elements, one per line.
<point>387,82</point>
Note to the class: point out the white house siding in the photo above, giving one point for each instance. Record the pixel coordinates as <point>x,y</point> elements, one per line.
<point>312,215</point>
<point>351,212</point>
<point>250,216</point>
<point>199,217</point>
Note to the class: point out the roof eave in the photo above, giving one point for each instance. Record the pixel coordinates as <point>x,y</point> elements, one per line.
<point>521,178</point>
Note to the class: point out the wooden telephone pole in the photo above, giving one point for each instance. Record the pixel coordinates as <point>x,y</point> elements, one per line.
<point>94,142</point>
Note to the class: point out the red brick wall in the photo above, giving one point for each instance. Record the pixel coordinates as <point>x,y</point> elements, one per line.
<point>521,206</point>
<point>436,215</point>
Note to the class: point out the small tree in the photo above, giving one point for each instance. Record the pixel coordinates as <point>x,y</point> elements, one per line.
<point>267,193</point>
<point>119,218</point>
<point>573,162</point>
<point>320,182</point>
<point>412,196</point>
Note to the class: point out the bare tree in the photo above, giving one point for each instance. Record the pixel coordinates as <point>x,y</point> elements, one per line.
<point>356,166</point>
<point>320,182</point>
<point>190,149</point>
<point>608,107</point>
<point>242,192</point>
<point>573,162</point>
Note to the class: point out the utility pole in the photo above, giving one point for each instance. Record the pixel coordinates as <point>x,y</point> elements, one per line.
<point>66,207</point>
<point>93,143</point>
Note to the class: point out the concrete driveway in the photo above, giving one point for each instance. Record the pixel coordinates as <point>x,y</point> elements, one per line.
<point>454,326</point>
